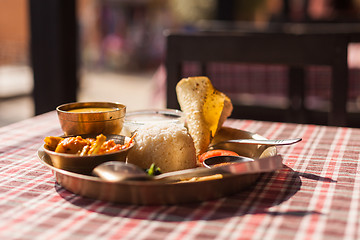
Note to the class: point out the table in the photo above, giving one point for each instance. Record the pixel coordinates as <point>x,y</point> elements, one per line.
<point>315,196</point>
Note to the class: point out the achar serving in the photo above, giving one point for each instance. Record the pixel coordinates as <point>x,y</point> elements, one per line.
<point>84,146</point>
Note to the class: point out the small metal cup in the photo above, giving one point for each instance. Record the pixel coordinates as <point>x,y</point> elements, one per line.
<point>105,122</point>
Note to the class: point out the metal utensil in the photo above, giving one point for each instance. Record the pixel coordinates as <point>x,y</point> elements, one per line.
<point>222,160</point>
<point>115,171</point>
<point>118,171</point>
<point>275,142</point>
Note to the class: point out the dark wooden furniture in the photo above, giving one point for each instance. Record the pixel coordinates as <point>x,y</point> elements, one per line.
<point>54,52</point>
<point>294,50</point>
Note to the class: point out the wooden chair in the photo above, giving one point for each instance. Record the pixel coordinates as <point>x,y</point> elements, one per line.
<point>295,50</point>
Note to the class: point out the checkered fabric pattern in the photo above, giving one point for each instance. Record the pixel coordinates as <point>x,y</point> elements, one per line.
<point>315,196</point>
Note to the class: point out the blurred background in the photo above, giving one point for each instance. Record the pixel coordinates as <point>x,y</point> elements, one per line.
<point>121,45</point>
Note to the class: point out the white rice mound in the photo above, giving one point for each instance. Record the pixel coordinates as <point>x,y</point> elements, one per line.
<point>168,145</point>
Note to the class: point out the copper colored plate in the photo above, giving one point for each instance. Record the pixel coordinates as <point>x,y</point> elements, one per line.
<point>157,193</point>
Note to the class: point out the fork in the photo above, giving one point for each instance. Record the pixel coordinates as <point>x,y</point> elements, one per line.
<point>274,142</point>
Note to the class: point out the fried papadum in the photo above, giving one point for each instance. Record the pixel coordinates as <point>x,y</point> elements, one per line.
<point>205,109</point>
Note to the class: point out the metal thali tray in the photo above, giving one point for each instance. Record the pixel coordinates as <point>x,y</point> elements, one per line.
<point>160,193</point>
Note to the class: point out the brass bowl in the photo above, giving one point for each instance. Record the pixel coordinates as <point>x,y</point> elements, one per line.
<point>85,164</point>
<point>81,118</point>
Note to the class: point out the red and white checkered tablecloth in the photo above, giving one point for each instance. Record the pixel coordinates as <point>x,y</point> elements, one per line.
<point>315,196</point>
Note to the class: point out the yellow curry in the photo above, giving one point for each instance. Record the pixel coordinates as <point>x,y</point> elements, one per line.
<point>92,109</point>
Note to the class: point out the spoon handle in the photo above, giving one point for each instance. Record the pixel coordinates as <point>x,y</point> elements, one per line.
<point>260,165</point>
<point>266,142</point>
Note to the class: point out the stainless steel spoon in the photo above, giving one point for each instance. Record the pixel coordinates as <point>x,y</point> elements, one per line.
<point>275,142</point>
<point>119,171</point>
